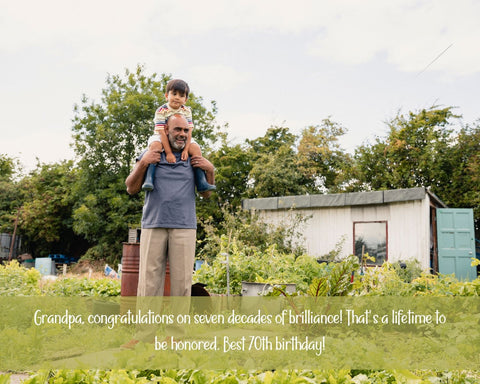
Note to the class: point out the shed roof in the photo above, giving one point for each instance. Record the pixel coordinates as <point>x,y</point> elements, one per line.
<point>341,199</point>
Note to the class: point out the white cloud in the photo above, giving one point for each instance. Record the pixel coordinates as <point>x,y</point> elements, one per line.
<point>246,125</point>
<point>115,56</point>
<point>217,77</point>
<point>32,23</point>
<point>410,33</point>
<point>241,16</point>
<point>354,60</point>
<point>100,32</point>
<point>38,145</point>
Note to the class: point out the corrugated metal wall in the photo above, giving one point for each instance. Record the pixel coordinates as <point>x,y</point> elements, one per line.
<point>5,243</point>
<point>408,227</point>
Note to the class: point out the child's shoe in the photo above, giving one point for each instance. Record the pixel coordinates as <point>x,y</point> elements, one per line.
<point>201,181</point>
<point>149,178</point>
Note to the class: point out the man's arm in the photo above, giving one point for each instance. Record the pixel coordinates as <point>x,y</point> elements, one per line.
<point>207,166</point>
<point>134,181</point>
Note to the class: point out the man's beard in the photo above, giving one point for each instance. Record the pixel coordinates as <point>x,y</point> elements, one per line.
<point>174,144</point>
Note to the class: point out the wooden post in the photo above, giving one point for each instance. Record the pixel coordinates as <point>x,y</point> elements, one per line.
<point>434,256</point>
<point>12,243</point>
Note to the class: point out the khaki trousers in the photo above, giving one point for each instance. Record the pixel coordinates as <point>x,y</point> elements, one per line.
<point>158,244</point>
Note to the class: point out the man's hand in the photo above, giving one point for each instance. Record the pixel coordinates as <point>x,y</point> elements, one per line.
<point>201,162</point>
<point>151,157</point>
<point>134,181</point>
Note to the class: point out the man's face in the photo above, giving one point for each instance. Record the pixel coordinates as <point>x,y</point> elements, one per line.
<point>177,131</point>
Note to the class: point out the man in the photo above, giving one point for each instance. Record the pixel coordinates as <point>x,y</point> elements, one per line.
<point>169,219</point>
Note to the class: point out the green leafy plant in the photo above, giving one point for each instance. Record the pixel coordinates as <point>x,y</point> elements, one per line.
<point>338,281</point>
<point>248,230</point>
<point>74,286</point>
<point>254,265</point>
<point>5,378</point>
<point>444,285</point>
<point>334,254</point>
<point>16,280</point>
<point>171,376</point>
<point>382,280</point>
<point>408,270</point>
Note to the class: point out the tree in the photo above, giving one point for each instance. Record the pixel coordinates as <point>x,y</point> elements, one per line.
<point>276,174</point>
<point>275,171</point>
<point>9,167</point>
<point>415,153</point>
<point>232,168</point>
<point>463,190</point>
<point>46,211</point>
<point>9,192</point>
<point>320,157</point>
<point>424,150</point>
<point>108,135</point>
<point>272,141</point>
<point>316,165</point>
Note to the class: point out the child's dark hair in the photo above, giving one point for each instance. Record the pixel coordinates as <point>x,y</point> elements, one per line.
<point>179,86</point>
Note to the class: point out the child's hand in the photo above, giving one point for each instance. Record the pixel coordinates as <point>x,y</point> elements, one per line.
<point>184,155</point>
<point>171,158</point>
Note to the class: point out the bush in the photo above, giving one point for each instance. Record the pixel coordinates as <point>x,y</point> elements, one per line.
<point>253,265</point>
<point>173,376</point>
<point>16,280</point>
<point>444,285</point>
<point>248,230</point>
<point>249,263</point>
<point>408,270</point>
<point>75,286</point>
<point>392,280</point>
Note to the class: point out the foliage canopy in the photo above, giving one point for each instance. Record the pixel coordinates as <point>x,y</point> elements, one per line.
<point>82,207</point>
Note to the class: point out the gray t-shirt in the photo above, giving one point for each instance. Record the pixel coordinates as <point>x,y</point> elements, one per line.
<point>172,202</point>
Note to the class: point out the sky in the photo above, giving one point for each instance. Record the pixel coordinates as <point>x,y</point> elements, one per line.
<point>264,62</point>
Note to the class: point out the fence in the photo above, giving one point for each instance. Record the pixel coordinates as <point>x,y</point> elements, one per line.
<point>6,243</point>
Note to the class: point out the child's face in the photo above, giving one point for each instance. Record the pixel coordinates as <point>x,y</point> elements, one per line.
<point>175,99</point>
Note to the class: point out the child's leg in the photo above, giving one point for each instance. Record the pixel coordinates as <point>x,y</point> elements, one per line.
<point>150,175</point>
<point>194,150</point>
<point>166,147</point>
<point>200,176</point>
<point>156,146</point>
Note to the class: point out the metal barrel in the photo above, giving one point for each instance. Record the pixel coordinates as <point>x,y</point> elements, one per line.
<point>130,266</point>
<point>130,263</point>
<point>166,288</point>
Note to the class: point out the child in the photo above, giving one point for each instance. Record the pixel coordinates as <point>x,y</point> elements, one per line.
<point>176,95</point>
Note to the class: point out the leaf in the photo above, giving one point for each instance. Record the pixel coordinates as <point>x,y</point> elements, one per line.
<point>319,287</point>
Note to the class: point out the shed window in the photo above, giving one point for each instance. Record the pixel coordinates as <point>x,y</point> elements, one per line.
<point>371,237</point>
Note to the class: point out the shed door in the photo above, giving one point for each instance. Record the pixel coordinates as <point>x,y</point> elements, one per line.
<point>456,242</point>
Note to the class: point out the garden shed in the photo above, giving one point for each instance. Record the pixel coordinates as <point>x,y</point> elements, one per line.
<point>393,225</point>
